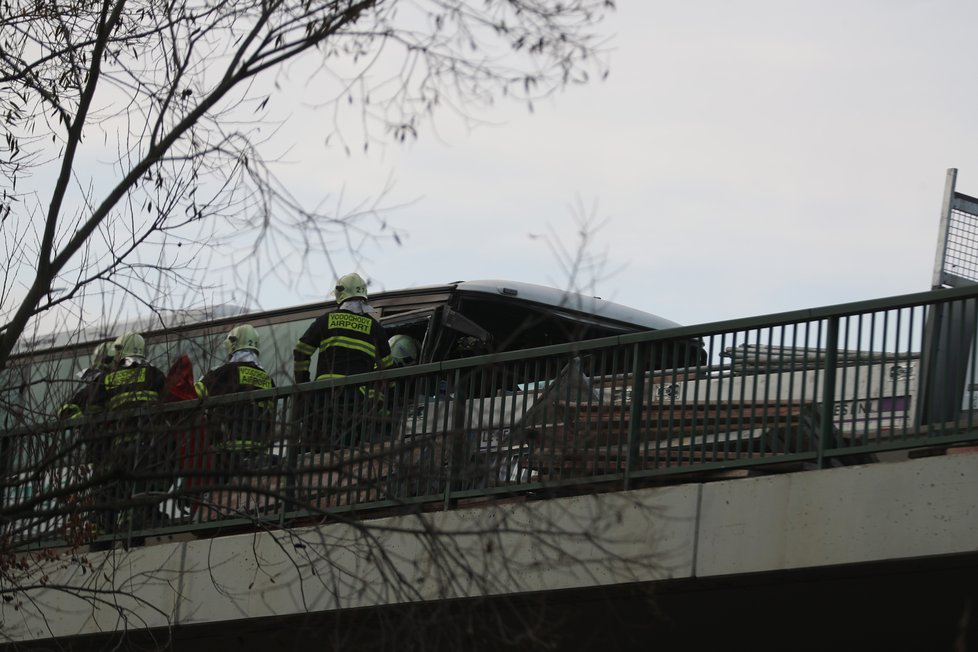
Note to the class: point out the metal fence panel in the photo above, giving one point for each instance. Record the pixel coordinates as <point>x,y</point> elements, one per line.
<point>827,387</point>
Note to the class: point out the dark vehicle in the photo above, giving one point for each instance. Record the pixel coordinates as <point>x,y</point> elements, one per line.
<point>451,321</point>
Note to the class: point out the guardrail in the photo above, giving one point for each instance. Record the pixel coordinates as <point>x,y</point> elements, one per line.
<point>807,389</point>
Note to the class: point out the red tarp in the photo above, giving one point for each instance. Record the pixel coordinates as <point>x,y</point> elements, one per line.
<point>191,443</point>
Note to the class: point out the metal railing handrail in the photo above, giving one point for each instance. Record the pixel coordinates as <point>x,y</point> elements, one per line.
<point>634,423</point>
<point>678,333</point>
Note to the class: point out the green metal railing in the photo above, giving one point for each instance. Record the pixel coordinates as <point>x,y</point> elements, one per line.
<point>801,390</point>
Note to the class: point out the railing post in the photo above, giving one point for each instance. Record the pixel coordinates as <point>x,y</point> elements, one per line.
<point>635,413</point>
<point>456,395</point>
<point>826,438</point>
<point>291,412</point>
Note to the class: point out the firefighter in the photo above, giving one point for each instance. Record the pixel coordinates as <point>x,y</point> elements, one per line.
<point>138,444</point>
<point>133,381</point>
<point>241,432</point>
<point>350,341</point>
<point>85,436</point>
<point>79,404</point>
<point>404,350</point>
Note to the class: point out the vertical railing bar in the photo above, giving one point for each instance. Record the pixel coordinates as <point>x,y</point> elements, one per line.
<point>897,358</point>
<point>689,370</point>
<point>783,403</point>
<point>514,448</point>
<point>551,369</point>
<point>675,390</point>
<point>969,389</point>
<point>597,360</point>
<point>873,435</point>
<point>618,400</point>
<point>635,417</point>
<point>752,418</point>
<point>718,405</point>
<point>657,371</point>
<point>627,398</point>
<point>813,400</point>
<point>911,366</point>
<point>795,407</point>
<point>663,434</point>
<point>565,430</point>
<point>766,416</point>
<point>882,380</point>
<point>483,462</point>
<point>826,441</point>
<point>842,377</point>
<point>692,373</point>
<point>734,379</point>
<point>860,432</point>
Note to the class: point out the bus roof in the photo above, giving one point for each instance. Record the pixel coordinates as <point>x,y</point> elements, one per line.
<point>389,302</point>
<point>567,300</point>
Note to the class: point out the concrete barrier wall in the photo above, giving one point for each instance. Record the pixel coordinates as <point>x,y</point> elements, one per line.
<point>816,518</point>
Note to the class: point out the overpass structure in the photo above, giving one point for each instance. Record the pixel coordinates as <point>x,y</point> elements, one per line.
<point>589,484</point>
<point>800,480</point>
<point>868,557</point>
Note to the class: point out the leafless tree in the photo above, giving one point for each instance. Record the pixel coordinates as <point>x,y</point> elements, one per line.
<point>132,139</point>
<point>133,148</point>
<point>413,562</point>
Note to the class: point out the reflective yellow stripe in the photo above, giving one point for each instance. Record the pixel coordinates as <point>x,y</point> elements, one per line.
<point>125,377</point>
<point>304,349</point>
<point>239,445</point>
<point>350,322</point>
<point>348,343</point>
<point>325,376</point>
<point>200,388</point>
<point>70,411</point>
<point>387,361</point>
<point>133,397</point>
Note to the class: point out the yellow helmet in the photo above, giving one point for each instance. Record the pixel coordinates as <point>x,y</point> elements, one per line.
<point>350,286</point>
<point>404,349</point>
<point>102,357</point>
<point>129,345</point>
<point>240,338</point>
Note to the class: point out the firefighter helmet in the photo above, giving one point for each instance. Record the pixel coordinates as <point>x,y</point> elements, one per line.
<point>350,286</point>
<point>241,338</point>
<point>102,357</point>
<point>404,349</point>
<point>128,345</point>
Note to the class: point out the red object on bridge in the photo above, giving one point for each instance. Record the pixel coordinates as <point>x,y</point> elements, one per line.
<point>190,433</point>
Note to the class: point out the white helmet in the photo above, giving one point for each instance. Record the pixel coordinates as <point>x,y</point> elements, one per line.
<point>129,345</point>
<point>404,349</point>
<point>350,286</point>
<point>240,338</point>
<point>102,357</point>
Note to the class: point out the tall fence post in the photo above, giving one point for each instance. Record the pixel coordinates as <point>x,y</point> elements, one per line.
<point>291,412</point>
<point>826,439</point>
<point>636,411</point>
<point>455,437</point>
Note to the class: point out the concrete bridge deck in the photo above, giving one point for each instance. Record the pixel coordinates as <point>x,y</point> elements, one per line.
<point>888,549</point>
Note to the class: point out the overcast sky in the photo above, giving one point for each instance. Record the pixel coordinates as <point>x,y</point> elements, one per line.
<point>744,158</point>
<point>749,158</point>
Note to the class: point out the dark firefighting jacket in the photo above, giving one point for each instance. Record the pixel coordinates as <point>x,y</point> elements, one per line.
<point>136,385</point>
<point>80,402</point>
<point>348,344</point>
<point>245,425</point>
